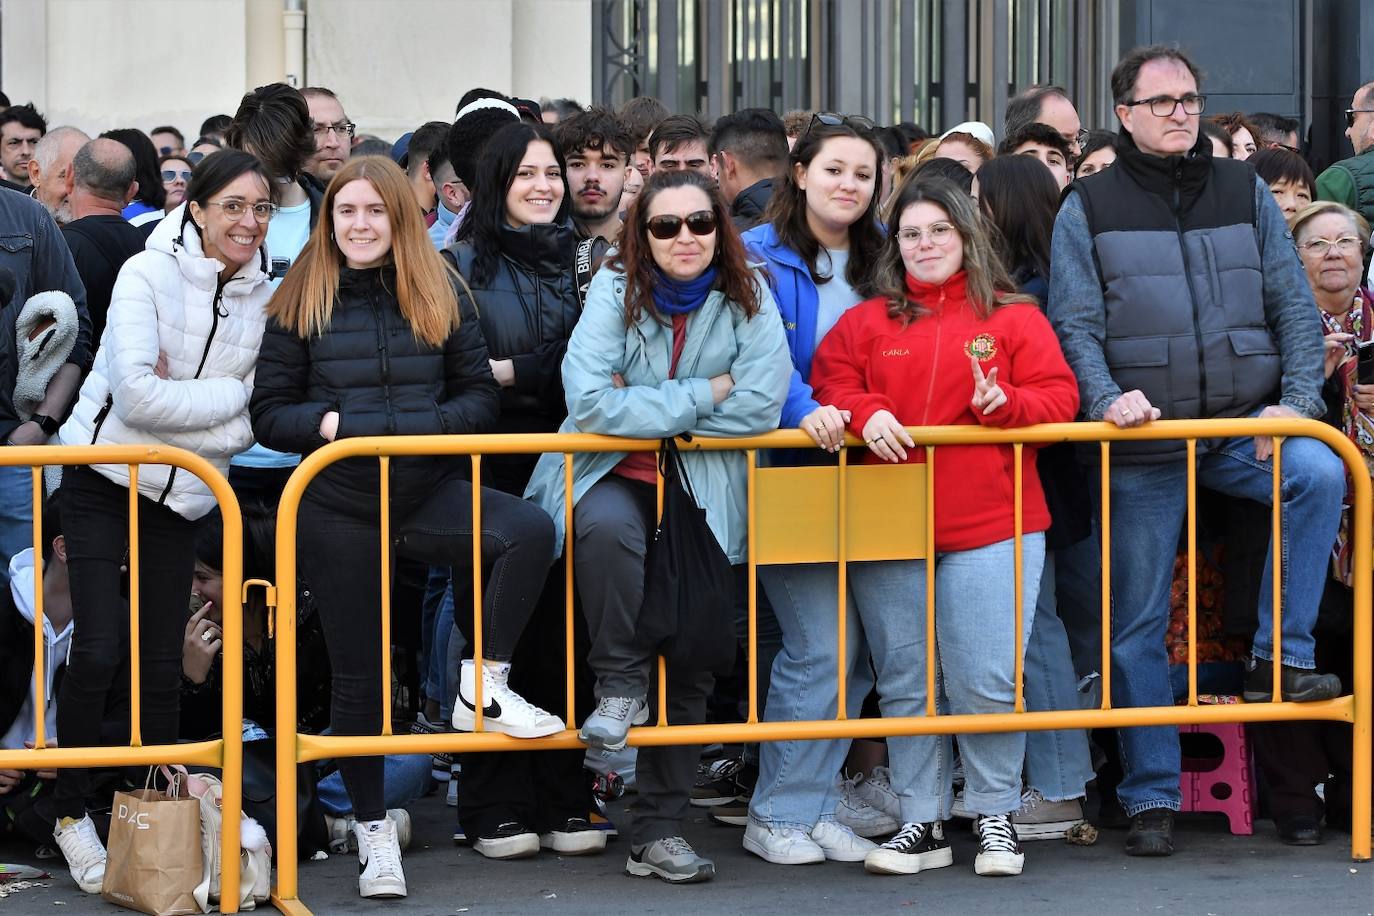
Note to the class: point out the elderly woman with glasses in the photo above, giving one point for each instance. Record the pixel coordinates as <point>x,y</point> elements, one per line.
<point>1298,756</point>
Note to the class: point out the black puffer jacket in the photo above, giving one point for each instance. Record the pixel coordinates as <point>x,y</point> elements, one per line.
<point>528,310</point>
<point>370,368</point>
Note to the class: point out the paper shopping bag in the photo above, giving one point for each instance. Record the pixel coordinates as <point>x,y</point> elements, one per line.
<point>154,858</point>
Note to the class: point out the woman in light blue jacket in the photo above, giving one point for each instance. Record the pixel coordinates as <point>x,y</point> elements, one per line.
<point>678,336</point>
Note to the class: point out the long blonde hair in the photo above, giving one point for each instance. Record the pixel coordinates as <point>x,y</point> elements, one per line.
<point>424,281</point>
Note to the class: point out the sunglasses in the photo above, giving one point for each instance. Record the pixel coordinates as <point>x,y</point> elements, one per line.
<point>832,119</point>
<point>174,174</point>
<point>702,222</point>
<point>1350,114</point>
<point>194,158</point>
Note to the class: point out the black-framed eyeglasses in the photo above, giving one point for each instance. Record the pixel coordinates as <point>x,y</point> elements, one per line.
<point>1163,106</point>
<point>342,129</point>
<point>701,222</point>
<point>1351,112</point>
<point>835,119</point>
<point>174,174</point>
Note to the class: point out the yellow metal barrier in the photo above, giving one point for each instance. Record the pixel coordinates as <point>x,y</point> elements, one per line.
<point>806,515</point>
<point>226,752</point>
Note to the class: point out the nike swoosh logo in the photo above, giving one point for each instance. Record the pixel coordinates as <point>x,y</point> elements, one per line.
<point>491,711</point>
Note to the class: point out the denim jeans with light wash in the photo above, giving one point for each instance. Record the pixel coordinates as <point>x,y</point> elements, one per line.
<point>405,778</point>
<point>797,785</point>
<point>1149,506</point>
<point>1058,763</point>
<point>975,657</point>
<point>16,515</point>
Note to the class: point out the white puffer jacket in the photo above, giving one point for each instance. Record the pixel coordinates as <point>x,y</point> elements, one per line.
<point>168,299</point>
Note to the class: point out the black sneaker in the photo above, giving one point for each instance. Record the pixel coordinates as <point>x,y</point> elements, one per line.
<point>1151,833</point>
<point>999,853</point>
<point>720,782</point>
<point>511,840</point>
<point>574,837</point>
<point>915,848</point>
<point>1299,685</point>
<point>734,813</point>
<point>1299,830</point>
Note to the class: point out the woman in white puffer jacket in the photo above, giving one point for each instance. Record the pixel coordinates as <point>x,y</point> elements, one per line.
<point>175,367</point>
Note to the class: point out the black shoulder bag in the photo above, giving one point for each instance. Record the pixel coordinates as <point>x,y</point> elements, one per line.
<point>689,588</point>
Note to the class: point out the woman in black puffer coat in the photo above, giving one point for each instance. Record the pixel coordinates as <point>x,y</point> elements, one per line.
<point>516,250</point>
<point>371,334</point>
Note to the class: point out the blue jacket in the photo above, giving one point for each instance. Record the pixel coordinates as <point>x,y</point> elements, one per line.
<point>653,406</point>
<point>798,303</point>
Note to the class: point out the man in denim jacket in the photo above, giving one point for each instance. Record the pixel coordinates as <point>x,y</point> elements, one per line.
<point>1177,293</point>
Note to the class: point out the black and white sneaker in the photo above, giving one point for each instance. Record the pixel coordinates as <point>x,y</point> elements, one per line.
<point>511,840</point>
<point>574,837</point>
<point>914,848</point>
<point>999,853</point>
<point>719,782</point>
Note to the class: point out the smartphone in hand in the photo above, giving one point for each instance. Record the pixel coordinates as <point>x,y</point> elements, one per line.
<point>1364,366</point>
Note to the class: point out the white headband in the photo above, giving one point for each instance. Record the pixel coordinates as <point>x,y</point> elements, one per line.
<point>479,104</point>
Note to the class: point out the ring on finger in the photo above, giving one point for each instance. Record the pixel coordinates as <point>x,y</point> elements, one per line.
<point>207,636</point>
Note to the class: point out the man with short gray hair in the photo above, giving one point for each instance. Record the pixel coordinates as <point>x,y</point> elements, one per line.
<point>100,184</point>
<point>49,167</point>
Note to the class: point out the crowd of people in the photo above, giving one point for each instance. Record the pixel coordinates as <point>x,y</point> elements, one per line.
<point>277,285</point>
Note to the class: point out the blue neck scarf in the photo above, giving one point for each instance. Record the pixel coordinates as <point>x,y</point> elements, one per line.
<point>679,297</point>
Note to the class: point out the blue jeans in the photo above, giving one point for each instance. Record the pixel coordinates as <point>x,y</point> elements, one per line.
<point>1149,506</point>
<point>1078,597</point>
<point>438,622</point>
<point>16,515</point>
<point>1058,763</point>
<point>405,778</point>
<point>975,650</point>
<point>797,784</point>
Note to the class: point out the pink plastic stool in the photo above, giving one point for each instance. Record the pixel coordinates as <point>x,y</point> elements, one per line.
<point>1224,784</point>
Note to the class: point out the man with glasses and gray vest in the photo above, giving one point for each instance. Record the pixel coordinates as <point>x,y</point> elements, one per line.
<point>1177,293</point>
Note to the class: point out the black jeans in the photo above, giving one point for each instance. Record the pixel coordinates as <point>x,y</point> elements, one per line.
<point>340,558</point>
<point>95,522</point>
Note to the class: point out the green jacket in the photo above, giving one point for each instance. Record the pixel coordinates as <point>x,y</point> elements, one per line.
<point>1350,182</point>
<point>652,406</point>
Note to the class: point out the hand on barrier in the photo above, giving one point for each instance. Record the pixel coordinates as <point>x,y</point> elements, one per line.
<point>885,437</point>
<point>987,394</point>
<point>27,433</point>
<point>329,425</point>
<point>11,778</point>
<point>1131,409</point>
<point>44,774</point>
<point>202,643</point>
<point>825,425</point>
<point>1264,445</point>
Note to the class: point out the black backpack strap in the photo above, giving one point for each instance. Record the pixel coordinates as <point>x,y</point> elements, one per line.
<point>583,266</point>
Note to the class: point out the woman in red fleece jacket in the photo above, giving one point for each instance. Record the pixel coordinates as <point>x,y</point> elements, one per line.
<point>950,341</point>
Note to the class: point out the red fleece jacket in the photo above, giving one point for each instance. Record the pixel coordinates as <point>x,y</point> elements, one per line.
<point>921,372</point>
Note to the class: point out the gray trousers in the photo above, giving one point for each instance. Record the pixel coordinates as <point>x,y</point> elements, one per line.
<point>612,524</point>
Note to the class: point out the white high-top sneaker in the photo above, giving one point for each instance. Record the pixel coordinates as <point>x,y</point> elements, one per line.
<point>379,860</point>
<point>503,710</point>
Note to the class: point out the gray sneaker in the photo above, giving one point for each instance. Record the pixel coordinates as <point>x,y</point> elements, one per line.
<point>672,858</point>
<point>1041,819</point>
<point>608,726</point>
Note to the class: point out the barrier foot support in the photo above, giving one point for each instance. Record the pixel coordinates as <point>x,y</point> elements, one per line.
<point>292,907</point>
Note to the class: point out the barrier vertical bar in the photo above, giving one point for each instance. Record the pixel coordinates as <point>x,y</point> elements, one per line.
<point>1362,777</point>
<point>662,662</point>
<point>752,456</point>
<point>231,698</point>
<point>1018,574</point>
<point>842,586</point>
<point>1192,572</point>
<point>384,530</point>
<point>40,657</point>
<point>570,684</point>
<point>135,666</point>
<point>1276,545</point>
<point>288,513</point>
<point>1105,485</point>
<point>478,655</point>
<point>930,581</point>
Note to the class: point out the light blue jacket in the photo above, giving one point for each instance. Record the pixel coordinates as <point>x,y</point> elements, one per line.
<point>653,406</point>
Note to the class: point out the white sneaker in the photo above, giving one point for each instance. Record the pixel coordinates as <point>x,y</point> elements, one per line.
<point>839,843</point>
<point>782,845</point>
<point>379,860</point>
<point>503,709</point>
<point>858,815</point>
<point>85,854</point>
<point>876,789</point>
<point>343,837</point>
<point>609,725</point>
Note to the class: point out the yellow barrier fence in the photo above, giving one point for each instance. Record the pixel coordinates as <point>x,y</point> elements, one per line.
<point>828,514</point>
<point>226,752</point>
